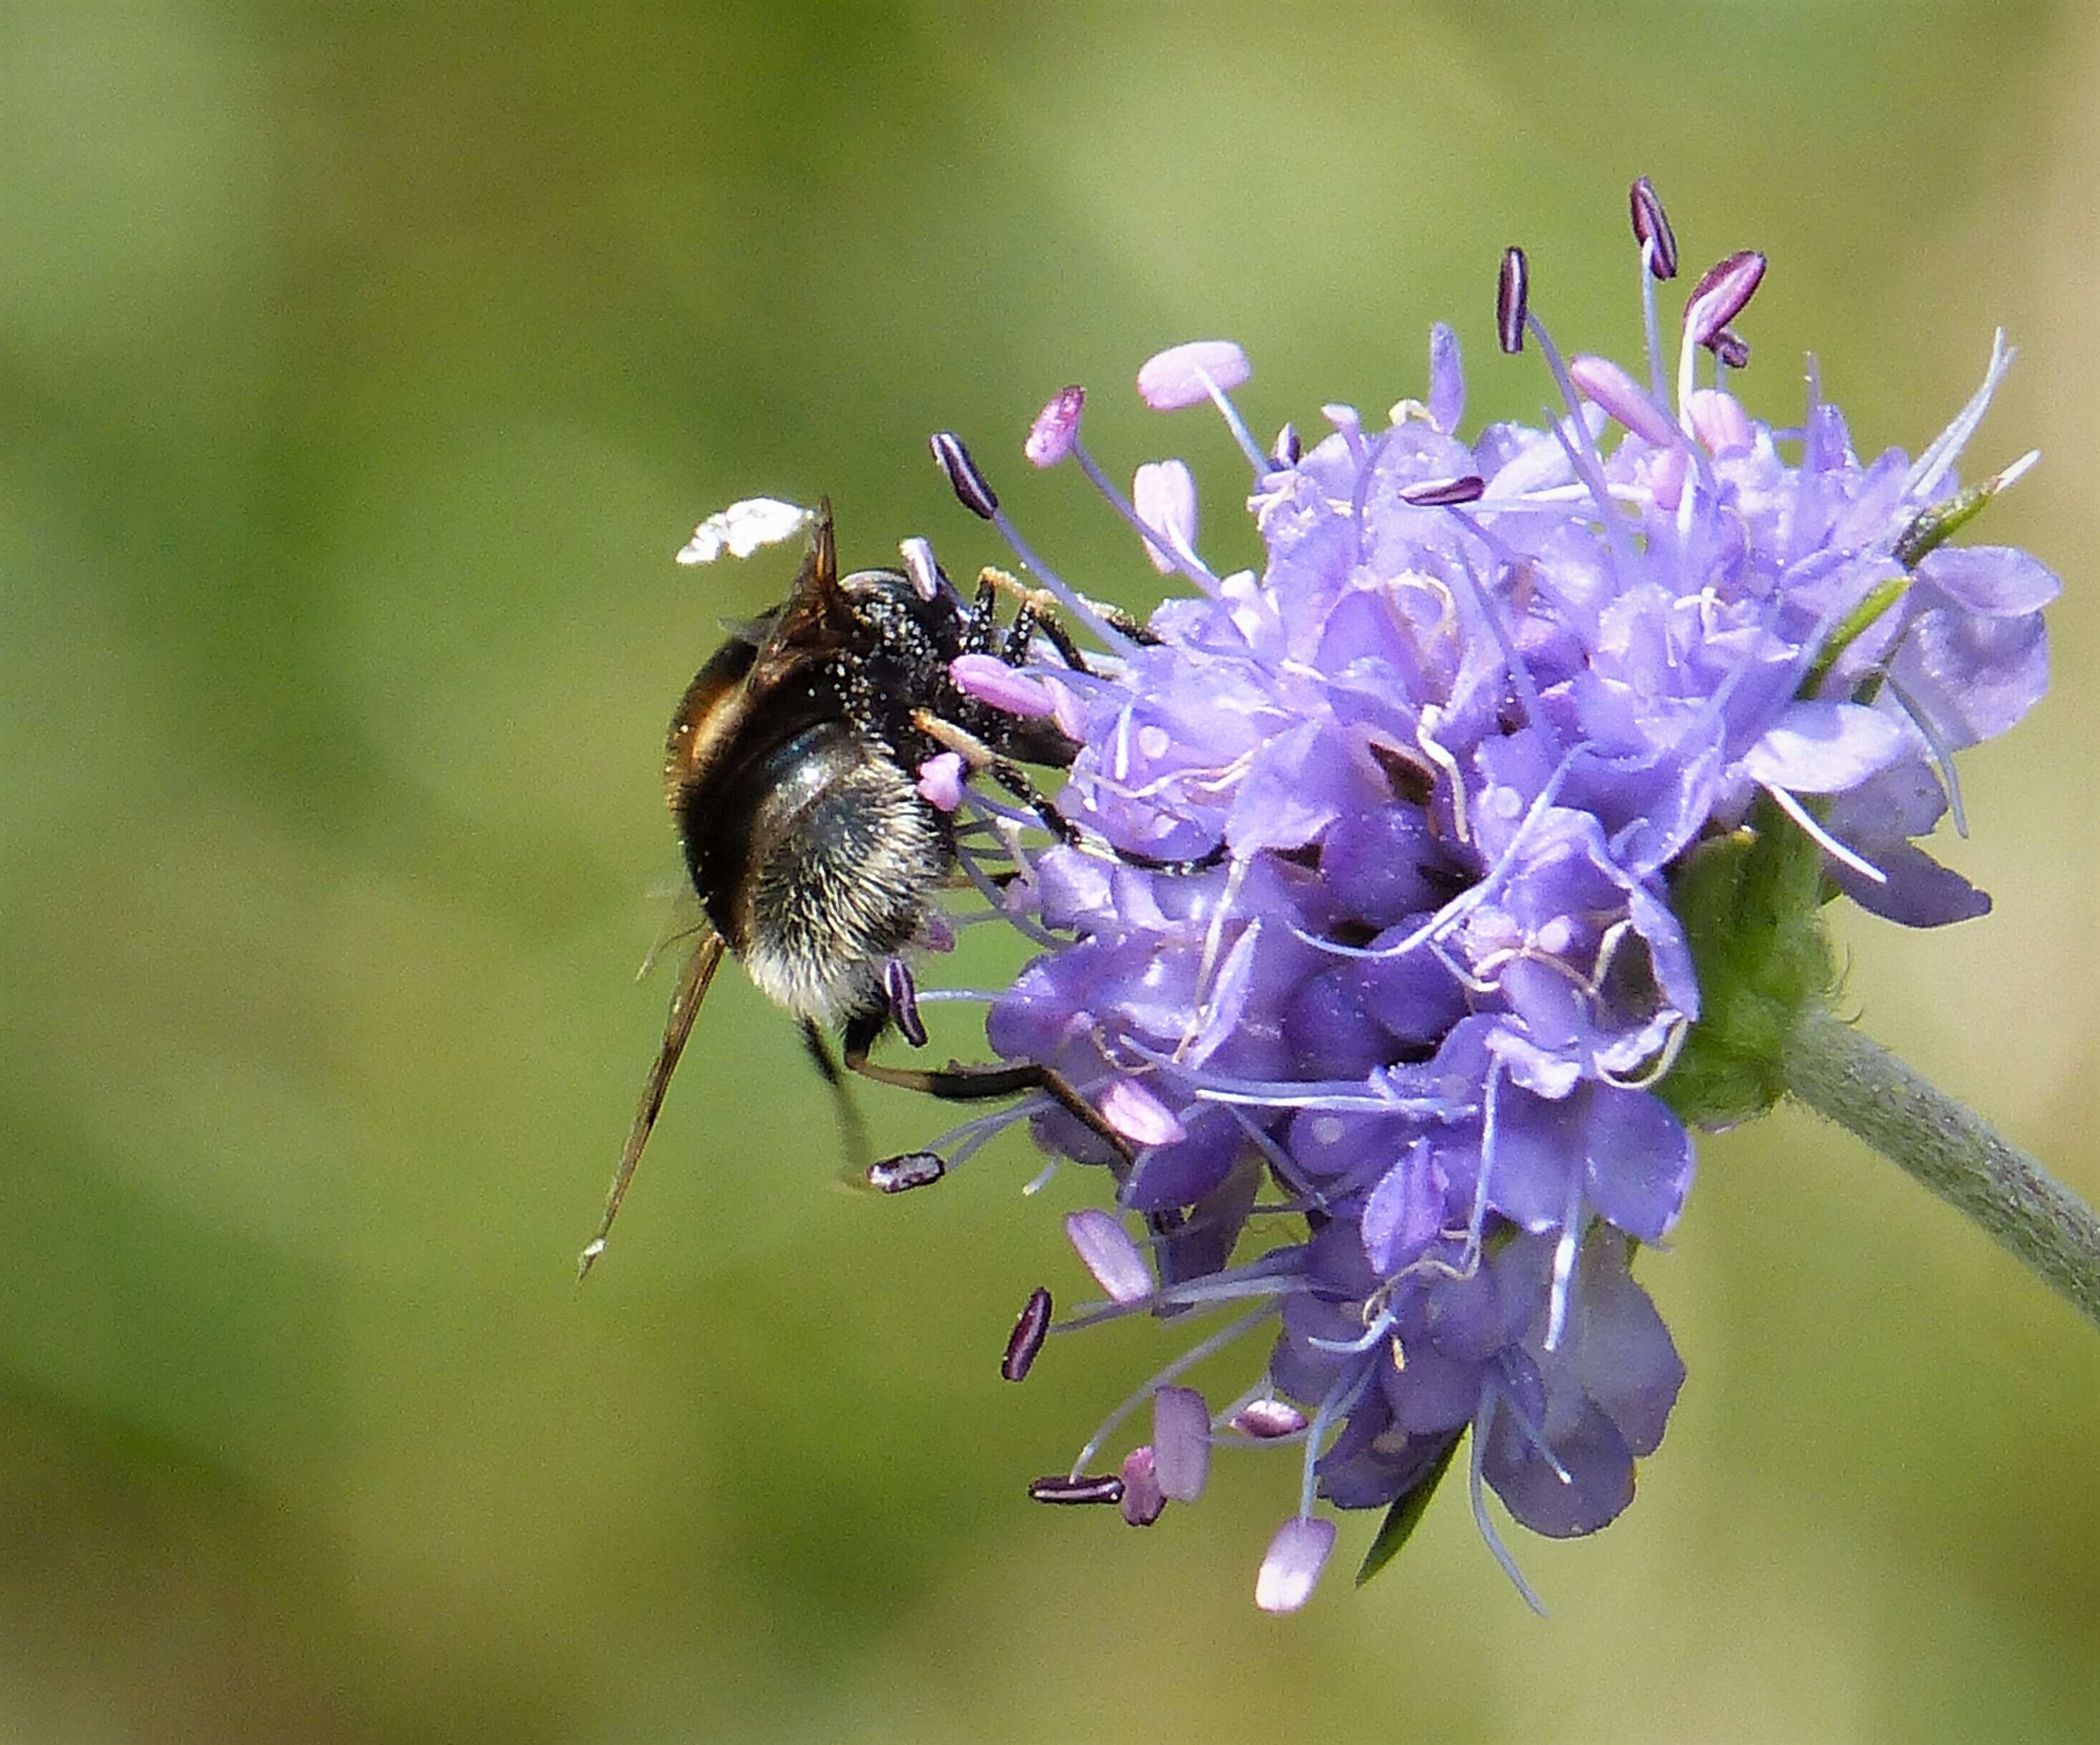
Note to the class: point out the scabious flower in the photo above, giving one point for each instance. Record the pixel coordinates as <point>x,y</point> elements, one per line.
<point>1392,1049</point>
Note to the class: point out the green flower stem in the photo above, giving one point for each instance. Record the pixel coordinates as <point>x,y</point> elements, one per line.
<point>1850,1079</point>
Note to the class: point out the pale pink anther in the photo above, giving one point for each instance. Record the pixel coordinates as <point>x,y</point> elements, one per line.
<point>1105,1250</point>
<point>1185,375</point>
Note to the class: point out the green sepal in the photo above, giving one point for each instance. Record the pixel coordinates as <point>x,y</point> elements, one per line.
<point>1936,525</point>
<point>1405,1515</point>
<point>1857,623</point>
<point>1750,905</point>
<point>1929,530</point>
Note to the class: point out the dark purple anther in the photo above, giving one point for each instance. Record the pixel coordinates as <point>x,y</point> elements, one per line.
<point>1652,227</point>
<point>902,993</point>
<point>1439,493</point>
<point>1732,348</point>
<point>1719,297</point>
<point>1029,1333</point>
<point>1512,299</point>
<point>1287,451</point>
<point>967,482</point>
<point>911,1169</point>
<point>1060,1487</point>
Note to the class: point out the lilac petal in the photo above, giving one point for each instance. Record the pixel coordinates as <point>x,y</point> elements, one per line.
<point>1164,495</point>
<point>1447,380</point>
<point>1143,1500</point>
<point>1635,1156</point>
<point>1300,783</point>
<point>1203,1244</point>
<point>1179,1171</point>
<point>1182,1442</point>
<point>1435,1394</point>
<point>1405,1210</point>
<point>1825,748</point>
<point>940,781</point>
<point>1627,1362</point>
<point>1104,1249</point>
<point>1184,375</point>
<point>1640,1160</point>
<point>1972,677</point>
<point>1137,1115</point>
<point>1905,799</point>
<point>1291,1569</point>
<point>1920,892</point>
<point>1593,1454</point>
<point>1599,379</point>
<point>990,680</point>
<point>1056,428</point>
<point>1997,580</point>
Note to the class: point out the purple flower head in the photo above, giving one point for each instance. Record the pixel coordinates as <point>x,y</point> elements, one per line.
<point>1377,931</point>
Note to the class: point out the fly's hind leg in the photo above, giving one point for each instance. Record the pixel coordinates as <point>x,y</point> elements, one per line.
<point>853,1130</point>
<point>956,1083</point>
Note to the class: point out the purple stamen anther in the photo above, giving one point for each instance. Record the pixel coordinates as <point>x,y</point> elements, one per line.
<point>919,564</point>
<point>1730,347</point>
<point>1143,1500</point>
<point>1291,1569</point>
<point>1029,1333</point>
<point>1287,450</point>
<point>1441,493</point>
<point>1104,1249</point>
<point>1137,1115</point>
<point>1720,296</point>
<point>963,478</point>
<point>902,993</point>
<point>1265,1420</point>
<point>1181,1443</point>
<point>1600,380</point>
<point>1651,229</point>
<point>940,781</point>
<point>1185,375</point>
<point>1164,493</point>
<point>1051,436</point>
<point>990,680</point>
<point>910,1169</point>
<point>1512,300</point>
<point>1061,1487</point>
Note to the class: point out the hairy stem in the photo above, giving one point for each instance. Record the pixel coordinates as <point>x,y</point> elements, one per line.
<point>1852,1079</point>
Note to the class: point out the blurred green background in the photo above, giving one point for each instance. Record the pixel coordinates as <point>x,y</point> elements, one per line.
<point>361,367</point>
